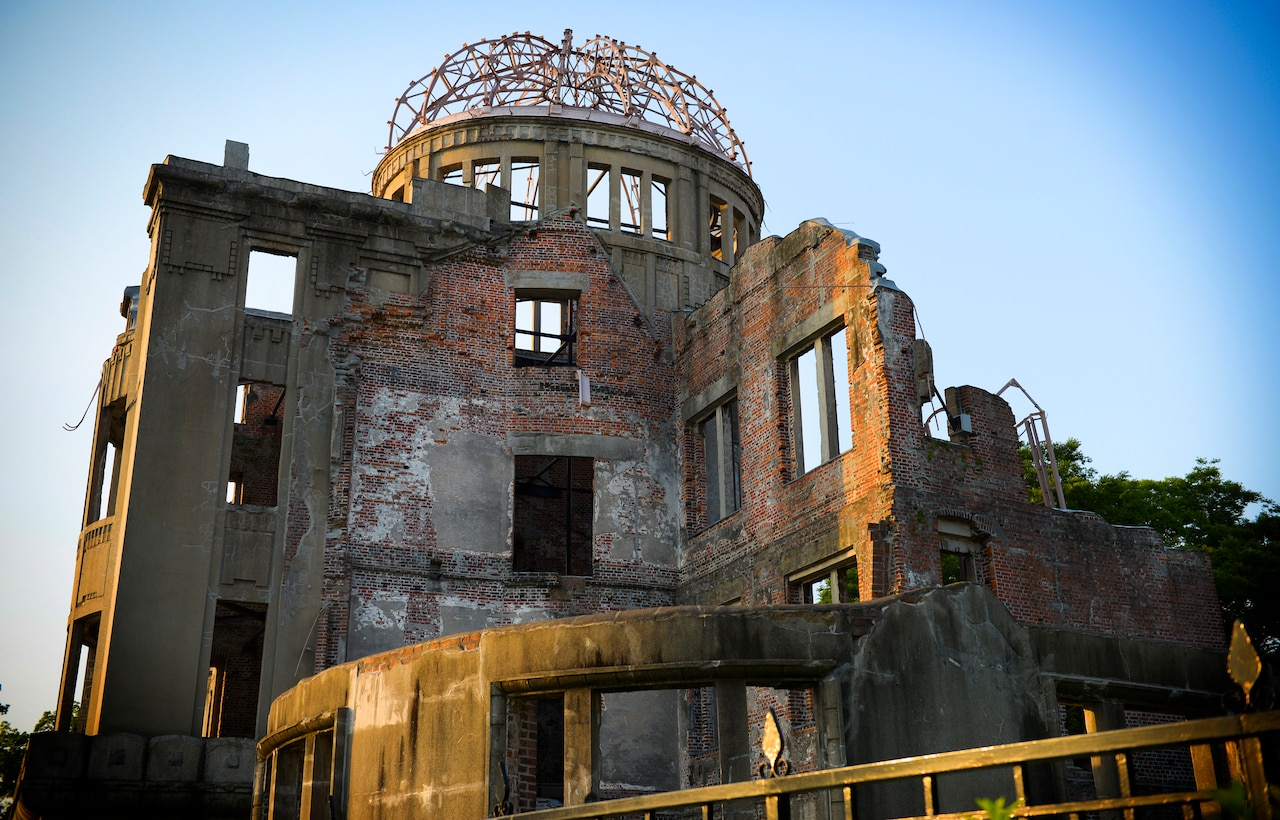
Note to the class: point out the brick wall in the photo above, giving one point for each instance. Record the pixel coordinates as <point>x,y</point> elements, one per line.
<point>881,500</point>
<point>421,373</point>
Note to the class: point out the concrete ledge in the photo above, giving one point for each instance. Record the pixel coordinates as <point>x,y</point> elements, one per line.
<point>580,445</point>
<point>547,280</point>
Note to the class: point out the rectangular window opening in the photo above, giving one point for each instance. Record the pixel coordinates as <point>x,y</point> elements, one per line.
<point>716,222</point>
<point>552,514</point>
<point>838,585</point>
<point>235,670</point>
<point>632,207</point>
<point>658,207</point>
<point>821,411</point>
<point>722,462</point>
<point>957,551</point>
<point>598,195</point>
<point>524,190</point>
<point>253,476</point>
<point>451,174</point>
<point>486,172</point>
<point>546,331</point>
<point>104,485</point>
<point>271,282</point>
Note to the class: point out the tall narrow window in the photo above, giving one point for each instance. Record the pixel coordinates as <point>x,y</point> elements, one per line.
<point>658,208</point>
<point>958,551</point>
<point>631,204</point>
<point>716,221</point>
<point>598,196</point>
<point>545,331</point>
<point>722,458</point>
<point>524,190</point>
<point>820,412</point>
<point>552,514</point>
<point>254,472</point>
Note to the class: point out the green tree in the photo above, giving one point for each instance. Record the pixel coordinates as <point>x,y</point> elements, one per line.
<point>13,745</point>
<point>1202,511</point>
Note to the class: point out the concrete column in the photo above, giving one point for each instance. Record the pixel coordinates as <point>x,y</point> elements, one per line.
<point>577,176</point>
<point>549,184</point>
<point>733,731</point>
<point>581,740</point>
<point>615,199</point>
<point>1102,717</point>
<point>646,204</point>
<point>726,235</point>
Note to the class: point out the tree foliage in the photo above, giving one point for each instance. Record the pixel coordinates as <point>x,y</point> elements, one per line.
<point>13,748</point>
<point>1202,511</point>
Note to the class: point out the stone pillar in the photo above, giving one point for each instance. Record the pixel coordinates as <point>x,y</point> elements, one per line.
<point>581,740</point>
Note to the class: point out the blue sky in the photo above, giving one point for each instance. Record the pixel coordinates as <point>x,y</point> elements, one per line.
<point>1079,195</point>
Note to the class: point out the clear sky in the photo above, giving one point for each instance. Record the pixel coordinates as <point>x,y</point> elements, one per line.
<point>1075,194</point>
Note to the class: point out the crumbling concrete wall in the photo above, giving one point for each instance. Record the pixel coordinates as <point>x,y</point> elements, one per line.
<point>928,671</point>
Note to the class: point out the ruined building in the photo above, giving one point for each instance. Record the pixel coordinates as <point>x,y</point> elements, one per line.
<point>559,471</point>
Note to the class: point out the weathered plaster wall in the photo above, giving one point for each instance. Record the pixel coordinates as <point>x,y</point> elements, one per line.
<point>435,409</point>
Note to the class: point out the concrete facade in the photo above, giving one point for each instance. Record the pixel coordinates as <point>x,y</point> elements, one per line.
<point>489,485</point>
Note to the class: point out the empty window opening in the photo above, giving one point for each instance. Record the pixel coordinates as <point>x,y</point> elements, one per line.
<point>839,585</point>
<point>658,208</point>
<point>821,416</point>
<point>524,190</point>
<point>632,207</point>
<point>716,221</point>
<point>104,482</point>
<point>398,194</point>
<point>271,282</point>
<point>254,473</point>
<point>598,196</point>
<point>552,514</point>
<point>545,331</point>
<point>235,670</point>
<point>486,172</point>
<point>740,236</point>
<point>451,174</point>
<point>958,551</point>
<point>722,462</point>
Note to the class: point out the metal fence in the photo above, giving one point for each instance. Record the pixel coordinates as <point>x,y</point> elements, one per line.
<point>1227,756</point>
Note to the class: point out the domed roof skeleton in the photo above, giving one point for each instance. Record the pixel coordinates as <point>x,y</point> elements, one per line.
<point>603,74</point>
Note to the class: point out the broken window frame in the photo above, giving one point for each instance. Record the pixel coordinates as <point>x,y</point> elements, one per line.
<point>958,552</point>
<point>831,408</point>
<point>577,557</point>
<point>721,461</point>
<point>536,351</point>
<point>838,581</point>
